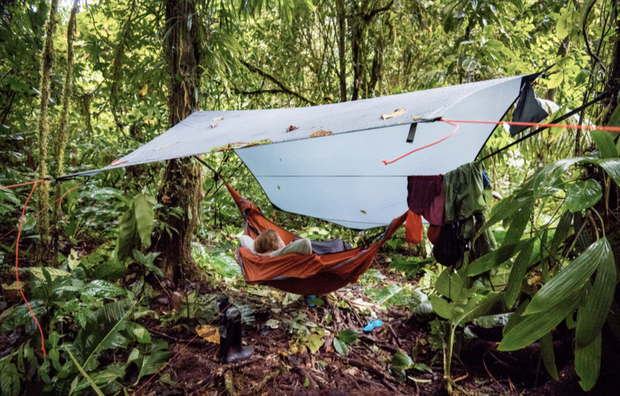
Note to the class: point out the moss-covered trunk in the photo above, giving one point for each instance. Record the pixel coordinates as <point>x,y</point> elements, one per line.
<point>182,181</point>
<point>47,64</point>
<point>61,140</point>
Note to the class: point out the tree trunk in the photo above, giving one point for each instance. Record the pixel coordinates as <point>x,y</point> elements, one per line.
<point>61,141</point>
<point>182,182</point>
<point>341,50</point>
<point>47,64</point>
<point>613,79</point>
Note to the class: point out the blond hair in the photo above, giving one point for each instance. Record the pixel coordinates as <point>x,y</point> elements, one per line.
<point>267,241</point>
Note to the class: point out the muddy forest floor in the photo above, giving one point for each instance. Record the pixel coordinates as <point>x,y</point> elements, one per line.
<point>275,370</point>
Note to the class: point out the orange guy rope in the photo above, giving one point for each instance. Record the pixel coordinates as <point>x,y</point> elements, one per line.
<point>21,223</point>
<point>428,145</point>
<point>535,124</point>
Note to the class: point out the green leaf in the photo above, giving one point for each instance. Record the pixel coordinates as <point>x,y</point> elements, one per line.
<point>38,272</point>
<point>90,381</point>
<point>9,379</point>
<point>493,259</point>
<point>156,356</point>
<point>103,289</point>
<point>143,207</point>
<point>442,307</point>
<point>571,279</point>
<point>127,234</point>
<point>519,220</point>
<point>386,293</point>
<point>477,306</point>
<point>401,362</point>
<point>341,347</point>
<point>583,195</point>
<point>314,342</point>
<point>21,315</point>
<point>113,317</point>
<point>142,334</point>
<point>561,232</point>
<point>548,357</point>
<point>588,363</point>
<point>546,178</point>
<point>592,315</point>
<point>348,336</point>
<point>490,321</point>
<point>449,284</point>
<point>605,144</point>
<point>517,273</point>
<point>533,327</point>
<point>612,167</point>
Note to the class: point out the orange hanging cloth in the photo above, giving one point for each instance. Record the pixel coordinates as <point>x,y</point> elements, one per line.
<point>414,230</point>
<point>306,274</point>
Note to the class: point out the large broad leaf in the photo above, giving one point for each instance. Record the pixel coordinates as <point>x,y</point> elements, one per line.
<point>548,175</point>
<point>505,209</point>
<point>548,356</point>
<point>386,293</point>
<point>449,284</point>
<point>81,369</point>
<point>38,272</point>
<point>143,207</point>
<point>518,272</point>
<point>531,328</point>
<point>477,306</point>
<point>605,144</point>
<point>561,232</point>
<point>583,195</point>
<point>127,234</point>
<point>151,360</point>
<point>21,315</point>
<point>588,363</point>
<point>612,167</point>
<point>571,279</point>
<point>493,259</point>
<point>519,221</point>
<point>112,319</point>
<point>9,379</point>
<point>104,289</point>
<point>442,307</point>
<point>594,312</point>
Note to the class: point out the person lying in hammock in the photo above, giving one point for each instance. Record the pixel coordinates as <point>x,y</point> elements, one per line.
<point>269,244</point>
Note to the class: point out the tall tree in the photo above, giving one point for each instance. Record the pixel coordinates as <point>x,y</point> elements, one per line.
<point>61,141</point>
<point>47,63</point>
<point>182,182</point>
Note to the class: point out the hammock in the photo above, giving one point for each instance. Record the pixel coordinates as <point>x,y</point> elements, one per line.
<point>306,274</point>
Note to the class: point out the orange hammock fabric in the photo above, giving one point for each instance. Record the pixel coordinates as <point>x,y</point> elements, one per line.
<point>306,274</point>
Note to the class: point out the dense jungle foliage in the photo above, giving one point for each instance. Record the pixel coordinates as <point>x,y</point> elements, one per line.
<point>121,269</point>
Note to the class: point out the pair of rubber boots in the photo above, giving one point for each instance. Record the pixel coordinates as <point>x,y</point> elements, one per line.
<point>231,350</point>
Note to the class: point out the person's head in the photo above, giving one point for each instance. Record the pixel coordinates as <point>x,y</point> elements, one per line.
<point>267,241</point>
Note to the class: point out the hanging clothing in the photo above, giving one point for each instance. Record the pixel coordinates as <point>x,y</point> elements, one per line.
<point>425,196</point>
<point>449,249</point>
<point>467,190</point>
<point>433,233</point>
<point>464,189</point>
<point>414,230</point>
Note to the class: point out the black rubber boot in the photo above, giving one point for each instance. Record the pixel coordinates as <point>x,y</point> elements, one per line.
<point>231,349</point>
